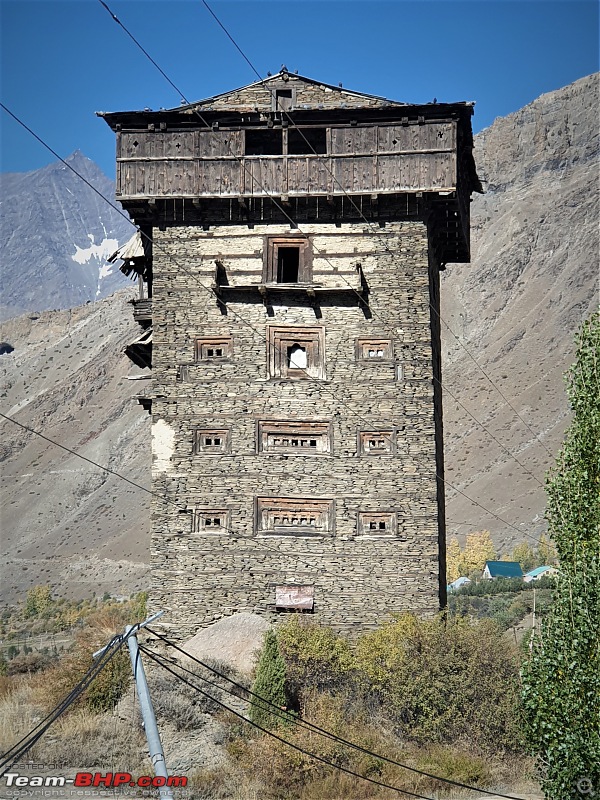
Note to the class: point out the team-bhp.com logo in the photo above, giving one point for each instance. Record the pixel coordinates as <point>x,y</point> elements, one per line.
<point>97,779</point>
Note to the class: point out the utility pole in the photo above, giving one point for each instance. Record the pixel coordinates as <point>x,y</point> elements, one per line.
<point>157,756</point>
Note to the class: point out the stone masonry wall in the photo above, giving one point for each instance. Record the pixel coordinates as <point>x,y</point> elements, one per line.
<point>358,580</point>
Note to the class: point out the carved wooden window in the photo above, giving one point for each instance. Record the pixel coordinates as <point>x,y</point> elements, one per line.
<point>211,441</point>
<point>376,443</point>
<point>372,523</point>
<point>374,349</point>
<point>287,259</point>
<point>294,516</point>
<point>215,348</point>
<point>301,438</point>
<point>296,352</point>
<point>210,520</point>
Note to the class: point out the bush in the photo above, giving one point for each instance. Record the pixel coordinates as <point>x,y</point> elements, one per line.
<point>444,682</point>
<point>315,657</point>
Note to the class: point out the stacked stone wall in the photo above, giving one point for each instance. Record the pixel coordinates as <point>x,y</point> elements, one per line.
<point>358,580</point>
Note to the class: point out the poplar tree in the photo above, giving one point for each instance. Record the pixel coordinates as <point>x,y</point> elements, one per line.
<point>269,684</point>
<point>561,678</point>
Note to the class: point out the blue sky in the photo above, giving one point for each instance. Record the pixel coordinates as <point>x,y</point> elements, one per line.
<point>62,61</point>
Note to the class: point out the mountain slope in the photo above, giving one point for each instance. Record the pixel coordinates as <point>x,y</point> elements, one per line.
<point>55,236</point>
<point>516,307</point>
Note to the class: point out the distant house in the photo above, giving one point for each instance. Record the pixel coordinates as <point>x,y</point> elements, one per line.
<point>539,572</point>
<point>502,569</point>
<point>458,584</point>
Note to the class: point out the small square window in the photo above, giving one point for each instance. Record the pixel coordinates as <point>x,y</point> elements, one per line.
<point>287,259</point>
<point>371,523</point>
<point>375,443</point>
<point>211,520</point>
<point>211,441</point>
<point>214,349</point>
<point>296,352</point>
<point>283,99</point>
<point>374,349</point>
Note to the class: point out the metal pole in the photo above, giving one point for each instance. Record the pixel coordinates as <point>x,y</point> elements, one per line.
<point>157,757</point>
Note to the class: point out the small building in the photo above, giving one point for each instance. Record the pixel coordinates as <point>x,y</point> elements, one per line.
<point>458,584</point>
<point>539,572</point>
<point>502,569</point>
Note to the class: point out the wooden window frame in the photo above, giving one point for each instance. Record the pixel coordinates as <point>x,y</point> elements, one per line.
<point>315,517</point>
<point>271,258</point>
<point>200,516</point>
<point>203,346</point>
<point>365,448</point>
<point>368,524</point>
<point>275,106</point>
<point>201,448</point>
<point>301,430</point>
<point>280,339</point>
<point>366,343</point>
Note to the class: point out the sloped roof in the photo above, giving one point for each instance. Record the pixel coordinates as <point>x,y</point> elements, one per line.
<point>533,573</point>
<point>319,91</point>
<point>504,569</point>
<point>309,95</point>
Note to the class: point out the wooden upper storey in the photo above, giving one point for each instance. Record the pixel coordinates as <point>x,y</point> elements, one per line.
<point>290,136</point>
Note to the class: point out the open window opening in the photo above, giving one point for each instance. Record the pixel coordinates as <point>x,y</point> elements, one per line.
<point>376,442</point>
<point>210,521</point>
<point>307,141</point>
<point>297,357</point>
<point>294,516</point>
<point>264,142</point>
<point>288,264</point>
<point>211,441</point>
<point>283,99</point>
<point>296,352</point>
<point>287,259</point>
<point>377,523</point>
<point>300,437</point>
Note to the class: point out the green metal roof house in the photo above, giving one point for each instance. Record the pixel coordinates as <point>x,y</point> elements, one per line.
<point>502,569</point>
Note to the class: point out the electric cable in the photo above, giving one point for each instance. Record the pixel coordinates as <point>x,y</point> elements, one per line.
<point>223,705</point>
<point>17,750</point>
<point>296,719</point>
<point>293,222</point>
<point>302,723</point>
<point>370,224</point>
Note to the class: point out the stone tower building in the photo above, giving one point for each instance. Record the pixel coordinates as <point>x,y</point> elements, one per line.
<point>297,230</point>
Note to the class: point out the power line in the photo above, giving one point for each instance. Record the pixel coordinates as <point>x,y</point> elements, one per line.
<point>370,224</point>
<point>242,319</point>
<point>18,750</point>
<point>158,660</point>
<point>302,722</point>
<point>295,224</point>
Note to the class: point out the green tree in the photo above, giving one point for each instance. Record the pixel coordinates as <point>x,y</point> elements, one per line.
<point>39,598</point>
<point>561,679</point>
<point>269,683</point>
<point>525,555</point>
